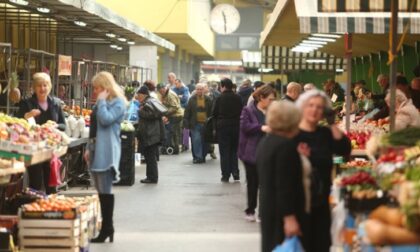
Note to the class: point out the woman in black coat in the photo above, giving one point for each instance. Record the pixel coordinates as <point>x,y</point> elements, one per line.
<point>323,143</point>
<point>282,197</point>
<point>41,107</point>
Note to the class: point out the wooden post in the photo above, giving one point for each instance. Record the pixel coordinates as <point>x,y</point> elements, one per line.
<point>348,50</point>
<point>393,67</point>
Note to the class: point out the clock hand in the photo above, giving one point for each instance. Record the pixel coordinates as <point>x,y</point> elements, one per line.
<point>224,19</point>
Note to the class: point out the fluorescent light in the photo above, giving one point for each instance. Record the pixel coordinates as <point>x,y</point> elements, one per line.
<point>113,46</point>
<point>339,70</point>
<point>302,49</point>
<point>314,42</point>
<point>248,56</point>
<point>122,39</point>
<point>322,39</point>
<point>119,48</point>
<point>43,10</point>
<point>315,61</point>
<point>19,2</point>
<point>326,35</point>
<point>110,35</point>
<point>310,45</point>
<point>80,23</point>
<point>131,42</point>
<point>222,63</point>
<point>265,70</point>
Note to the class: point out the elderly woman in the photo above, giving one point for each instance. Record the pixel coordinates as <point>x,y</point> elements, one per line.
<point>104,149</point>
<point>250,134</point>
<point>282,196</point>
<point>323,143</point>
<point>406,114</point>
<point>42,107</point>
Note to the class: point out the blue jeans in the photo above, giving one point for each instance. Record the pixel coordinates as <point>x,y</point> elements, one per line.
<point>103,181</point>
<point>199,149</point>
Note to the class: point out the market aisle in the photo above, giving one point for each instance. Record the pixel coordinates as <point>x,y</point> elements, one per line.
<point>189,210</point>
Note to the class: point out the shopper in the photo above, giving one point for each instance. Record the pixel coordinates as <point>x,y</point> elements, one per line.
<point>42,107</point>
<point>227,112</point>
<point>406,114</point>
<point>171,79</point>
<point>309,86</point>
<point>293,91</point>
<point>379,99</point>
<point>245,91</point>
<point>323,143</point>
<point>282,194</point>
<point>212,91</point>
<point>150,133</point>
<point>191,86</point>
<point>257,85</point>
<point>151,85</point>
<point>251,124</point>
<point>195,116</point>
<point>182,91</point>
<point>174,116</point>
<point>104,149</point>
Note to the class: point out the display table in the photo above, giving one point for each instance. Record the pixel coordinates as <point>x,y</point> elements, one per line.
<point>74,169</point>
<point>36,157</point>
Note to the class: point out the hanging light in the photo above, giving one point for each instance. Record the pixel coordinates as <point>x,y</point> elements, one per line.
<point>314,42</point>
<point>119,48</point>
<point>113,46</point>
<point>131,42</point>
<point>80,23</point>
<point>110,35</point>
<point>43,10</point>
<point>19,2</point>
<point>303,49</point>
<point>322,39</point>
<point>311,45</point>
<point>122,39</point>
<point>315,61</point>
<point>326,35</point>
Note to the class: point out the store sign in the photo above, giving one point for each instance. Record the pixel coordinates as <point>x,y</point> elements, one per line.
<point>64,65</point>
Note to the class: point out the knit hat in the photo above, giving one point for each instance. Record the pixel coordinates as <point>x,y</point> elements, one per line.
<point>160,86</point>
<point>143,90</point>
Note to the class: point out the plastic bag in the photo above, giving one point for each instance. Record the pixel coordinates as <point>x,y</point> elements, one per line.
<point>291,244</point>
<point>339,214</point>
<point>55,165</point>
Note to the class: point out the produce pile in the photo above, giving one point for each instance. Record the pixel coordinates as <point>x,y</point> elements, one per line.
<point>17,135</point>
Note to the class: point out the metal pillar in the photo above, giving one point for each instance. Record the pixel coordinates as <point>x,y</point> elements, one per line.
<point>393,67</point>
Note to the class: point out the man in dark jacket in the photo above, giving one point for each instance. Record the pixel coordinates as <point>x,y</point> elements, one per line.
<point>227,112</point>
<point>293,91</point>
<point>245,91</point>
<point>150,133</point>
<point>195,116</point>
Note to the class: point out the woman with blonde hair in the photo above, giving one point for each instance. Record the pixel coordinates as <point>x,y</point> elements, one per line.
<point>104,148</point>
<point>42,108</point>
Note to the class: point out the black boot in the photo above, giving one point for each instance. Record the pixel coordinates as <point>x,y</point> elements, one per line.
<point>107,210</point>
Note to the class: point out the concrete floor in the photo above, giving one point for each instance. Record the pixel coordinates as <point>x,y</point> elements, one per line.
<point>189,210</point>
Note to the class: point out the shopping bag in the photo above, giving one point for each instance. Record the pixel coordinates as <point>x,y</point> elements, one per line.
<point>291,244</point>
<point>55,165</point>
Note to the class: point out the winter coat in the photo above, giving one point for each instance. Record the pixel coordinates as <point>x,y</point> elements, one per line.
<point>407,116</point>
<point>250,134</point>
<point>54,107</point>
<point>150,128</point>
<point>107,148</point>
<point>171,101</point>
<point>190,114</point>
<point>183,93</point>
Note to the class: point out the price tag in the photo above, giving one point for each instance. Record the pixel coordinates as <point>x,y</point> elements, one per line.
<point>31,121</point>
<point>334,98</point>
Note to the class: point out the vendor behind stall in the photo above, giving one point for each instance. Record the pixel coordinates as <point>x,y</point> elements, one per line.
<point>42,108</point>
<point>406,114</point>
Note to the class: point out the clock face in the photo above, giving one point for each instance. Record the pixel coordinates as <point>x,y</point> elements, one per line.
<point>224,19</point>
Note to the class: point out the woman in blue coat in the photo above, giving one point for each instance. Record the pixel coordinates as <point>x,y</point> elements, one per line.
<point>104,149</point>
<point>252,123</point>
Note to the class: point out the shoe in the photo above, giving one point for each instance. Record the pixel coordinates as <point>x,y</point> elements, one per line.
<point>148,181</point>
<point>225,180</point>
<point>236,178</point>
<point>213,155</point>
<point>250,217</point>
<point>201,161</point>
<point>107,211</point>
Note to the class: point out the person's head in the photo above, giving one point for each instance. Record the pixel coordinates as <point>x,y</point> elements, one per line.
<point>171,78</point>
<point>383,81</point>
<point>178,83</point>
<point>151,85</point>
<point>214,85</point>
<point>105,81</point>
<point>41,84</point>
<point>142,93</point>
<point>360,83</point>
<point>199,89</point>
<point>258,84</point>
<point>283,117</point>
<point>162,88</point>
<point>264,95</point>
<point>308,86</point>
<point>226,84</point>
<point>135,84</point>
<point>61,90</point>
<point>192,82</point>
<point>329,85</point>
<point>294,89</point>
<point>400,97</point>
<point>313,104</point>
<point>415,84</point>
<point>246,83</point>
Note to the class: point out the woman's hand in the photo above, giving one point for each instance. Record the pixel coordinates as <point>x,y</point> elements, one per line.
<point>291,226</point>
<point>336,132</point>
<point>86,156</point>
<point>266,129</point>
<point>32,113</point>
<point>304,149</point>
<point>103,95</point>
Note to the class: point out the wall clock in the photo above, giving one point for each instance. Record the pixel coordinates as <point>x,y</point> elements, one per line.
<point>224,19</point>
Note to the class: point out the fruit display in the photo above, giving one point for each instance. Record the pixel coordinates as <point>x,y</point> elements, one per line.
<point>76,111</point>
<point>50,204</point>
<point>358,139</point>
<point>357,164</point>
<point>378,123</point>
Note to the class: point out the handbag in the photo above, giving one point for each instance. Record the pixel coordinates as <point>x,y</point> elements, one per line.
<point>291,244</point>
<point>209,131</point>
<point>55,177</point>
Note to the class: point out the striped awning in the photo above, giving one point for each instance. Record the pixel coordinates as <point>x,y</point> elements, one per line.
<point>366,5</point>
<point>283,59</point>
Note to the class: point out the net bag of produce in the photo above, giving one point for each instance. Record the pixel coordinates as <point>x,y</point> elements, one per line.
<point>55,165</point>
